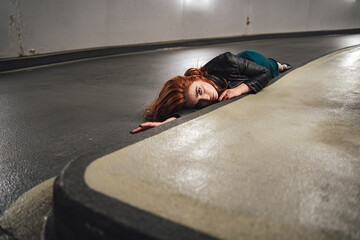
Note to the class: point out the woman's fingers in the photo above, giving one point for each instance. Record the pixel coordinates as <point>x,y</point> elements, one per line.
<point>222,95</point>
<point>225,95</point>
<point>145,126</point>
<point>140,129</point>
<point>150,124</point>
<point>229,93</point>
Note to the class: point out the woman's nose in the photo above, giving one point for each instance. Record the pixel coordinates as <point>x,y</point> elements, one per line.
<point>206,97</point>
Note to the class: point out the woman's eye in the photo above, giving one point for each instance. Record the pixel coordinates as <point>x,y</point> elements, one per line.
<point>199,90</point>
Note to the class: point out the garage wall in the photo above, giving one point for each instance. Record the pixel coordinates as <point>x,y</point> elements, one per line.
<point>45,26</point>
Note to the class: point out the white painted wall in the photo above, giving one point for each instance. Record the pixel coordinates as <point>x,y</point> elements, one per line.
<point>61,25</point>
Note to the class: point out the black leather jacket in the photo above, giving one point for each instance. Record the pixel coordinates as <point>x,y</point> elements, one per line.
<point>236,70</point>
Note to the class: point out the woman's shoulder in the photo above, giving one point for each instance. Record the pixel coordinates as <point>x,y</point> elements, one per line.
<point>224,60</point>
<point>224,56</point>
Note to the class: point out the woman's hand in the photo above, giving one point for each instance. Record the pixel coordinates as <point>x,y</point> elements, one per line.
<point>147,125</point>
<point>234,92</point>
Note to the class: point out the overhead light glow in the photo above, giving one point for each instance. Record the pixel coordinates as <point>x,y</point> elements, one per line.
<point>198,4</point>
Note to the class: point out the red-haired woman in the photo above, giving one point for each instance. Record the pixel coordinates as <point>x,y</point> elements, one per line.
<point>225,76</point>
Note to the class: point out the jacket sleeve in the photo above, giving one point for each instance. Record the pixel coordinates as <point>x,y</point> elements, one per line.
<point>258,76</point>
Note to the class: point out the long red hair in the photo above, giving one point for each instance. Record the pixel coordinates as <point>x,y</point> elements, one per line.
<point>172,96</point>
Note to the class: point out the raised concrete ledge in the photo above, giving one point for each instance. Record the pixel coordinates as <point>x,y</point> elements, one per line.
<point>77,214</point>
<point>85,213</point>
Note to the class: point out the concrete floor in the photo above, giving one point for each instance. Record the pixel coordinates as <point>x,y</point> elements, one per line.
<point>53,114</point>
<point>281,164</point>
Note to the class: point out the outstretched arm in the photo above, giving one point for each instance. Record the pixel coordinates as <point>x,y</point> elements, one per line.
<point>147,125</point>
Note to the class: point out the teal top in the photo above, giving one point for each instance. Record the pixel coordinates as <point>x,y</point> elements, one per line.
<point>260,59</point>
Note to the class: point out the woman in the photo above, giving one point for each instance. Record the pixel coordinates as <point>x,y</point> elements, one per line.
<point>225,76</point>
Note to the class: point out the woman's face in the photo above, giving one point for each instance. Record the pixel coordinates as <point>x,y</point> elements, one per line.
<point>200,94</point>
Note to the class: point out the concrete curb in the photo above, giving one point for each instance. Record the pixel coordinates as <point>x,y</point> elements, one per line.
<point>81,213</point>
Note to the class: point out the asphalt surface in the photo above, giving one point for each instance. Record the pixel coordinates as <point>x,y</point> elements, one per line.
<point>53,114</point>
